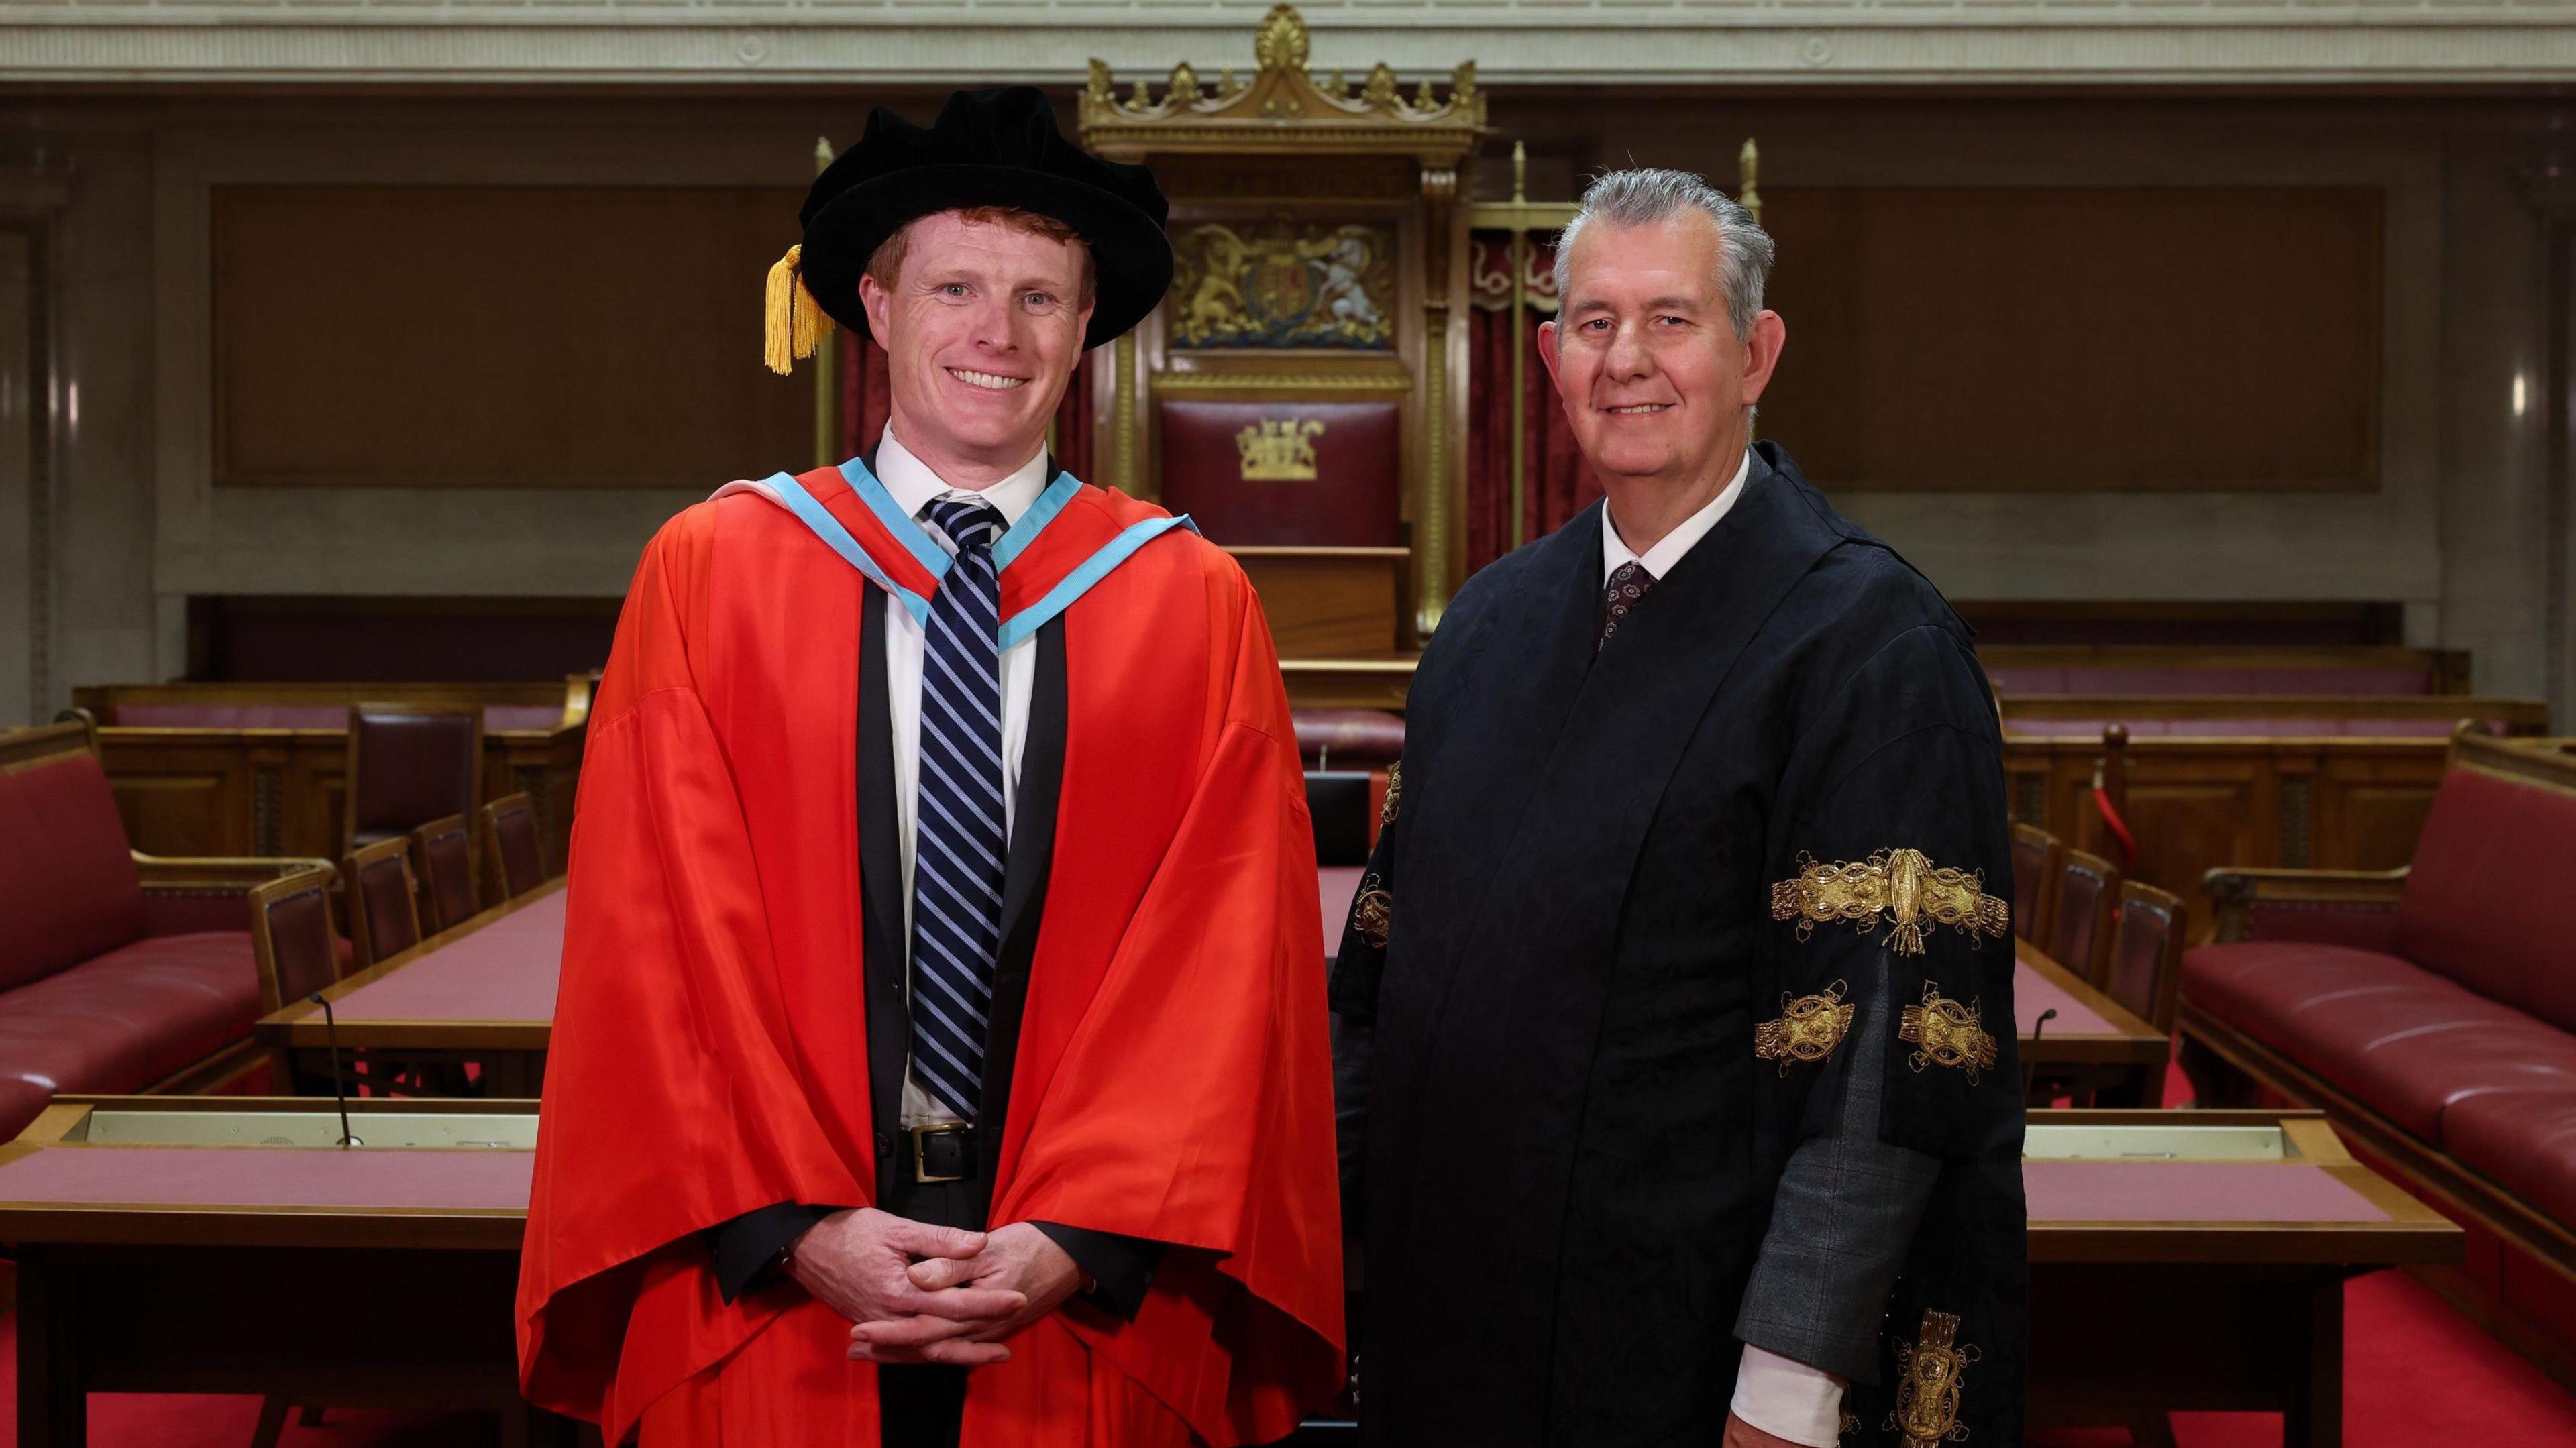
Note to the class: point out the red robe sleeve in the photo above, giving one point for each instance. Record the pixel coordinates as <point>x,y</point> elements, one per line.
<point>672,1043</point>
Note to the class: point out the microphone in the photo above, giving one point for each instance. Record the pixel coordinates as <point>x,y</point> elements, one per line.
<point>339,1082</point>
<point>2030,1068</point>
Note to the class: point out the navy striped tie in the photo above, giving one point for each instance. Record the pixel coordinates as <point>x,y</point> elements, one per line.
<point>958,832</point>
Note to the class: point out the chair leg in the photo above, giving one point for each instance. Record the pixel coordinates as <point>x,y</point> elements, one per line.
<point>272,1422</point>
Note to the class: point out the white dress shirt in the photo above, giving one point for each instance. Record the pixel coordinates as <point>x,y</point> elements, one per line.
<point>1784,1398</point>
<point>914,488</point>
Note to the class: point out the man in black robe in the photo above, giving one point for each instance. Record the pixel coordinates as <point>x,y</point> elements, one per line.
<point>1673,1024</point>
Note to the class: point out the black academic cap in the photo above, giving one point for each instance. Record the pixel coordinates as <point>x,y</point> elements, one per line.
<point>994,147</point>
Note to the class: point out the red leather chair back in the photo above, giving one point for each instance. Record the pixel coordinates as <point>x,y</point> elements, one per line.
<point>510,851</point>
<point>69,890</point>
<point>383,919</point>
<point>410,764</point>
<point>290,937</point>
<point>2034,864</point>
<point>1361,739</point>
<point>442,853</point>
<point>2486,897</point>
<point>2080,925</point>
<point>2146,954</point>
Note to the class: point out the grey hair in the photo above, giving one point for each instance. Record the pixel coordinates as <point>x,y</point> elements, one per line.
<point>1648,195</point>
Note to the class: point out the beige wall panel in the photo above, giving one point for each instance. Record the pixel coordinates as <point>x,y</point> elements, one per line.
<point>495,336</point>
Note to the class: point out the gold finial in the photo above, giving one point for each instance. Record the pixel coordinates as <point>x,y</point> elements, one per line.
<point>1380,91</point>
<point>1281,42</point>
<point>1462,82</point>
<point>1142,100</point>
<point>1747,162</point>
<point>1520,171</point>
<point>1338,88</point>
<point>1225,81</point>
<point>1422,98</point>
<point>1185,84</point>
<point>1100,90</point>
<point>822,153</point>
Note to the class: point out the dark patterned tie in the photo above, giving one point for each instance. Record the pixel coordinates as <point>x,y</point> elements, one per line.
<point>958,828</point>
<point>1628,583</point>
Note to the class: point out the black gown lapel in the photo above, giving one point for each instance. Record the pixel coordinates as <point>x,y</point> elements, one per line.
<point>1024,877</point>
<point>881,890</point>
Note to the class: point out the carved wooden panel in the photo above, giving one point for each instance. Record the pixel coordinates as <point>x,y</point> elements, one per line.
<point>498,336</point>
<point>2079,322</point>
<point>1328,602</point>
<point>2370,810</point>
<point>194,804</point>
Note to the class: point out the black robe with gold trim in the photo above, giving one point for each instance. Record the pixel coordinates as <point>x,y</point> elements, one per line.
<point>1777,787</point>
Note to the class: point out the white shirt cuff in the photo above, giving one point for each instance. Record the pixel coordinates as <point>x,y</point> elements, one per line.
<point>1788,1399</point>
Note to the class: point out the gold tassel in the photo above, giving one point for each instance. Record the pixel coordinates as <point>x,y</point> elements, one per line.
<point>795,324</point>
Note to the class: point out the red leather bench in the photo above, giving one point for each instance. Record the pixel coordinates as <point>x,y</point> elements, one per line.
<point>118,971</point>
<point>2432,1011</point>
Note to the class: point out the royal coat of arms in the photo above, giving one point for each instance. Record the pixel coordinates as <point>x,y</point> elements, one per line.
<point>1284,285</point>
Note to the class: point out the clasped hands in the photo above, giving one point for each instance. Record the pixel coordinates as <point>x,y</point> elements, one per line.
<point>923,1294</point>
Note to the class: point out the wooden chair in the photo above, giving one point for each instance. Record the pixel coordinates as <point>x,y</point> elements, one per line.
<point>409,764</point>
<point>290,937</point>
<point>2145,973</point>
<point>513,862</point>
<point>442,855</point>
<point>2079,924</point>
<point>2035,857</point>
<point>384,911</point>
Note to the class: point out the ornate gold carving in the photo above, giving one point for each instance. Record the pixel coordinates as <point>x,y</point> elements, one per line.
<point>1934,1370</point>
<point>1284,285</point>
<point>1304,384</point>
<point>1281,43</point>
<point>1126,441</point>
<point>1394,791</point>
<point>1279,449</point>
<point>1809,1028</point>
<point>1282,90</point>
<point>1902,884</point>
<point>1946,1033</point>
<point>1372,911</point>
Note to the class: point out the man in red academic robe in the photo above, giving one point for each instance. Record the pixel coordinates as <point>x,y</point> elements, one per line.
<point>941,1052</point>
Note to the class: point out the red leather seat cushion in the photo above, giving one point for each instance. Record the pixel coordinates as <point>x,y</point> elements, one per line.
<point>2394,1035</point>
<point>2523,1141</point>
<point>132,1016</point>
<point>70,890</point>
<point>2486,900</point>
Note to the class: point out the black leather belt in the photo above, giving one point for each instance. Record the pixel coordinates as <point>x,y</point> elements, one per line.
<point>943,1152</point>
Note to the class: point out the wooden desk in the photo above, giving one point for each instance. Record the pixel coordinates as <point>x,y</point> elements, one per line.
<point>169,1244</point>
<point>2195,1262</point>
<point>483,992</point>
<point>2090,1043</point>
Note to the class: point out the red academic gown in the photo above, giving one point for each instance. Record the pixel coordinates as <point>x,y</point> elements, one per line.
<point>1172,1078</point>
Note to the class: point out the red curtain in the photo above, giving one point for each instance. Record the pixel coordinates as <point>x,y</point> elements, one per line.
<point>865,401</point>
<point>1558,483</point>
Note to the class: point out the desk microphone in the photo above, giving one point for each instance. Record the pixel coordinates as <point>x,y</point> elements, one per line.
<point>2029,1067</point>
<point>339,1083</point>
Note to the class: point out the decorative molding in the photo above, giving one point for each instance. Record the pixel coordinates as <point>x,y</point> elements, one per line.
<point>1517,42</point>
<point>1357,384</point>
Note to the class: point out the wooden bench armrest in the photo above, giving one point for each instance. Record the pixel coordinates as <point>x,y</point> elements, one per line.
<point>2235,891</point>
<point>197,873</point>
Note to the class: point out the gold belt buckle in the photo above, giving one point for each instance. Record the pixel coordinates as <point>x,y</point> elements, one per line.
<point>920,1171</point>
